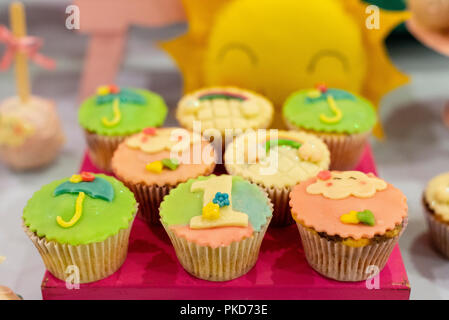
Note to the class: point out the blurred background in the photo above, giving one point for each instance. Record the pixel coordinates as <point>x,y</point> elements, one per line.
<point>416,148</point>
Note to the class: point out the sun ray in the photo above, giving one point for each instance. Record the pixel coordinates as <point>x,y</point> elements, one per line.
<point>188,50</point>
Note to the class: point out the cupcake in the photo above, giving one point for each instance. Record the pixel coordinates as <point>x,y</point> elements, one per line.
<point>8,294</point>
<point>343,120</point>
<point>219,108</point>
<point>30,133</point>
<point>277,161</point>
<point>436,202</point>
<point>348,221</point>
<point>115,113</point>
<point>82,222</point>
<point>5,292</point>
<point>154,161</point>
<point>219,226</point>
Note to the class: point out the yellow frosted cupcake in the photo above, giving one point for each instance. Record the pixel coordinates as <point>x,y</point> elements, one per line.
<point>436,202</point>
<point>277,161</point>
<point>221,108</point>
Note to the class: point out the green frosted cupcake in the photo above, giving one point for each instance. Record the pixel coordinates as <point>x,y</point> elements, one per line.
<point>343,120</point>
<point>218,229</point>
<point>115,113</point>
<point>83,221</point>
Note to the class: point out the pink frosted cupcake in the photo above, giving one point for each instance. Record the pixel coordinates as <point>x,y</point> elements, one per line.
<point>348,221</point>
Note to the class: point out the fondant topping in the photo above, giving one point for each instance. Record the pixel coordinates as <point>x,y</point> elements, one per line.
<point>134,115</point>
<point>76,216</point>
<point>98,188</point>
<point>100,219</point>
<point>224,108</point>
<point>437,195</point>
<point>282,166</point>
<point>211,238</point>
<point>322,214</point>
<point>222,95</point>
<point>112,93</point>
<point>227,216</point>
<point>174,140</point>
<point>246,198</point>
<point>354,114</point>
<point>84,183</point>
<point>130,164</point>
<point>348,183</point>
<point>117,115</point>
<point>366,217</point>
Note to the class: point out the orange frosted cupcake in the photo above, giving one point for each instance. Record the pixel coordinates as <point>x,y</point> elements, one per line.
<point>154,161</point>
<point>348,221</point>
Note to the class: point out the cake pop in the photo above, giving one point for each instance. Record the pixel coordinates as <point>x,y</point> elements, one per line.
<point>5,292</point>
<point>30,131</point>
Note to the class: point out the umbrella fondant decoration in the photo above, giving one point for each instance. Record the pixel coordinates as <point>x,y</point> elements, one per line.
<point>331,96</point>
<point>113,94</point>
<point>82,184</point>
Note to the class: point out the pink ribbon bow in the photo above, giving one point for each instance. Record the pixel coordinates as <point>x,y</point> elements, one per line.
<point>28,45</point>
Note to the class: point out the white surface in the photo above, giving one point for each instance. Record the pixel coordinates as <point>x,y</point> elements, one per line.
<point>417,147</point>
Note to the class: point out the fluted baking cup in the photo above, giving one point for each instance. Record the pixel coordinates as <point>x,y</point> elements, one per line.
<point>281,207</point>
<point>280,198</point>
<point>149,199</point>
<point>95,261</point>
<point>102,148</point>
<point>338,261</point>
<point>439,233</point>
<point>218,264</point>
<point>346,149</point>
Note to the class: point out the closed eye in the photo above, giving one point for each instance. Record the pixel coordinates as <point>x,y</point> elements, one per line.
<point>327,53</point>
<point>235,46</point>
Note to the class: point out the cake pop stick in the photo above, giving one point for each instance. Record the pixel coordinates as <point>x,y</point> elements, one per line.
<point>18,27</point>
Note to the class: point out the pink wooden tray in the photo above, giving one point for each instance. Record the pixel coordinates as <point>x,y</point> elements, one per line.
<point>152,271</point>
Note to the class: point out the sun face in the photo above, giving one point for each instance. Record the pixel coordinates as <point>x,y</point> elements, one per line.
<point>276,54</point>
<point>277,47</point>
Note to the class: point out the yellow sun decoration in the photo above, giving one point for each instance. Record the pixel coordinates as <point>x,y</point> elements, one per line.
<point>276,47</point>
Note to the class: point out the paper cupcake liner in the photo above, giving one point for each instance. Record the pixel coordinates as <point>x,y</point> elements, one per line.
<point>102,148</point>
<point>439,233</point>
<point>95,261</point>
<point>280,198</point>
<point>149,199</point>
<point>346,149</point>
<point>337,261</point>
<point>218,264</point>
